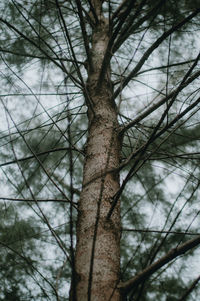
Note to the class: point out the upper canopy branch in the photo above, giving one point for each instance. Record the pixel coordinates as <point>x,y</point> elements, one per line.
<point>50,58</point>
<point>130,26</point>
<point>119,10</point>
<point>150,50</point>
<point>84,33</point>
<point>68,38</point>
<point>109,52</point>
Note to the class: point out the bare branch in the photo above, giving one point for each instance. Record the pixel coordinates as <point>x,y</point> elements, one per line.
<point>190,289</point>
<point>28,262</point>
<point>146,55</point>
<point>127,286</point>
<point>159,231</point>
<point>12,27</point>
<point>84,33</point>
<point>130,26</point>
<point>38,154</point>
<point>138,164</point>
<point>93,11</point>
<point>152,108</point>
<point>34,56</point>
<point>165,66</point>
<point>108,53</point>
<point>70,43</point>
<point>36,200</point>
<point>34,154</point>
<point>119,10</point>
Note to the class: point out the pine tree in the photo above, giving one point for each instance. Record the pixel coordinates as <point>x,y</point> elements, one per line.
<point>99,150</point>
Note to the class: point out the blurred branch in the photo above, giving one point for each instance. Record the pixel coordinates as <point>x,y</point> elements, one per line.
<point>29,263</point>
<point>119,10</point>
<point>129,27</point>
<point>139,153</point>
<point>38,154</point>
<point>146,55</point>
<point>155,68</point>
<point>31,41</point>
<point>84,33</point>
<point>108,52</point>
<point>127,286</point>
<point>159,231</point>
<point>190,289</point>
<point>39,57</point>
<point>155,106</point>
<point>36,200</point>
<point>68,38</point>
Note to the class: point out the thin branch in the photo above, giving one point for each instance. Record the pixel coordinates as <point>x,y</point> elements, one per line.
<point>84,33</point>
<point>108,52</point>
<point>152,108</point>
<point>159,231</point>
<point>118,11</point>
<point>165,66</point>
<point>162,156</point>
<point>138,164</point>
<point>60,14</point>
<point>38,94</point>
<point>39,57</point>
<point>146,55</point>
<point>31,41</point>
<point>74,57</point>
<point>130,26</point>
<point>89,18</point>
<point>34,154</point>
<point>37,154</point>
<point>36,200</point>
<point>127,286</point>
<point>190,289</point>
<point>71,190</point>
<point>92,9</point>
<point>29,263</point>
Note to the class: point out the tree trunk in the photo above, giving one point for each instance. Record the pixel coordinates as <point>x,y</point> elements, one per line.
<point>97,259</point>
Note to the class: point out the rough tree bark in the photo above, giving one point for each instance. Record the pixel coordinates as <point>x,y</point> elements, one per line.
<point>97,260</point>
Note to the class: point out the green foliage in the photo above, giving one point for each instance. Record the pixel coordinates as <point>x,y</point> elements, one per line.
<point>42,155</point>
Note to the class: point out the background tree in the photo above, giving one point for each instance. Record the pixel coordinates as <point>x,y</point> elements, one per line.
<point>100,102</point>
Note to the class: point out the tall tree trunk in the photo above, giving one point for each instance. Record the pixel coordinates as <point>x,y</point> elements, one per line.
<point>97,259</point>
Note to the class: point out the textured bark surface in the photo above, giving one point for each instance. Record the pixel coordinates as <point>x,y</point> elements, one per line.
<point>98,241</point>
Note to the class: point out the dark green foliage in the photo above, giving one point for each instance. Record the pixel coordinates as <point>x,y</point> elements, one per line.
<point>45,131</point>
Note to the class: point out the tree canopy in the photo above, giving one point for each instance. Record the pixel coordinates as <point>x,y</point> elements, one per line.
<point>62,63</point>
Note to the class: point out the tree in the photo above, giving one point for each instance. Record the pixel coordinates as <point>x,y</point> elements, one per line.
<point>99,57</point>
